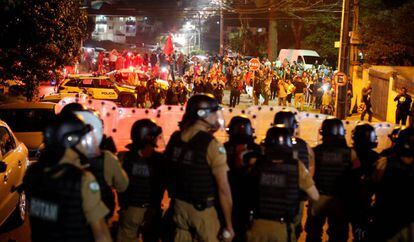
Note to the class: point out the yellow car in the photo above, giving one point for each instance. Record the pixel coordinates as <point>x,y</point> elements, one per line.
<point>13,164</point>
<point>100,87</point>
<point>6,84</point>
<point>27,120</point>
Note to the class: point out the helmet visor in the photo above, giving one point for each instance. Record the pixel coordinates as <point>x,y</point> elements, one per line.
<point>93,120</point>
<point>373,139</point>
<point>89,145</point>
<point>220,119</point>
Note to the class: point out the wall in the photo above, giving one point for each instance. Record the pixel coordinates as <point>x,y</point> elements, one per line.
<point>380,93</point>
<point>358,83</point>
<point>392,106</point>
<point>397,77</point>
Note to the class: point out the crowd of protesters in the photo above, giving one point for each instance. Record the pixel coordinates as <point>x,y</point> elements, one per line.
<point>288,84</point>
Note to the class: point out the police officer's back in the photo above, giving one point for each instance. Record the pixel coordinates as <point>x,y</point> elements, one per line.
<point>103,164</point>
<point>278,181</point>
<point>198,171</point>
<point>364,142</point>
<point>64,199</point>
<point>242,153</point>
<point>393,213</point>
<point>334,162</point>
<point>141,202</point>
<point>301,151</point>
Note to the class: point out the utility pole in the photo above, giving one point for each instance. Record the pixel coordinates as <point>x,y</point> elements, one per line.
<point>199,31</point>
<point>343,62</point>
<point>355,38</point>
<point>221,52</point>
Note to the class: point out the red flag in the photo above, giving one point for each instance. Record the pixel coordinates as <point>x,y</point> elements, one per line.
<point>168,48</point>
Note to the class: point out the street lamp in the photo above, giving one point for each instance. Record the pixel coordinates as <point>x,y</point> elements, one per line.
<point>190,28</point>
<point>221,29</point>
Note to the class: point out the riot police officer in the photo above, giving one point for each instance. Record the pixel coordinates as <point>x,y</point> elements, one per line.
<point>141,203</point>
<point>301,151</point>
<point>198,171</point>
<point>107,142</point>
<point>393,218</point>
<point>364,142</point>
<point>334,162</point>
<point>242,153</point>
<point>104,165</point>
<point>279,177</point>
<point>64,199</point>
<point>393,137</point>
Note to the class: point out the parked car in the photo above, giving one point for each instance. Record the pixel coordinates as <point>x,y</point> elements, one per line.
<point>13,164</point>
<point>57,97</point>
<point>101,87</point>
<point>307,58</point>
<point>27,120</point>
<point>6,84</point>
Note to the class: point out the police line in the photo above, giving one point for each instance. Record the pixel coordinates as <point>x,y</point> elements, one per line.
<point>118,121</point>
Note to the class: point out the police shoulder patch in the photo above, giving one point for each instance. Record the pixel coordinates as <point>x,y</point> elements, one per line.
<point>94,186</point>
<point>222,150</point>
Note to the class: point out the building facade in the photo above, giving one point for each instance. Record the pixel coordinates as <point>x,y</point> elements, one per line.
<point>115,28</point>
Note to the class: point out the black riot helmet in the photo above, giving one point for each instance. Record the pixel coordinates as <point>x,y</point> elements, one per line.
<point>63,132</point>
<point>49,134</point>
<point>71,108</point>
<point>394,133</point>
<point>286,118</point>
<point>278,136</point>
<point>70,130</point>
<point>404,145</point>
<point>364,136</point>
<point>199,107</point>
<point>145,131</point>
<point>240,129</point>
<point>332,128</point>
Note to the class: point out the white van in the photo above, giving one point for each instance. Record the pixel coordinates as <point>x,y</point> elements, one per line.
<point>305,57</point>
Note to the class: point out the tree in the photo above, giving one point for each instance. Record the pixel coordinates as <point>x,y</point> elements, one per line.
<point>388,36</point>
<point>38,38</point>
<point>321,35</point>
<point>247,43</point>
<point>272,37</point>
<point>296,12</point>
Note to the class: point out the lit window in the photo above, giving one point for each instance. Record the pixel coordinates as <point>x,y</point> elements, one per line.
<point>130,29</point>
<point>101,28</point>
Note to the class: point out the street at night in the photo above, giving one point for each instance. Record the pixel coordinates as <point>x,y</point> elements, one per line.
<point>207,120</point>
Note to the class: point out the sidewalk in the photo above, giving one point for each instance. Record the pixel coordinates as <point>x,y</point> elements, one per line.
<point>246,102</point>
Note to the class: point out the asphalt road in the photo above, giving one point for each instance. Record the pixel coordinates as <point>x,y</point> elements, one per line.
<point>20,234</point>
